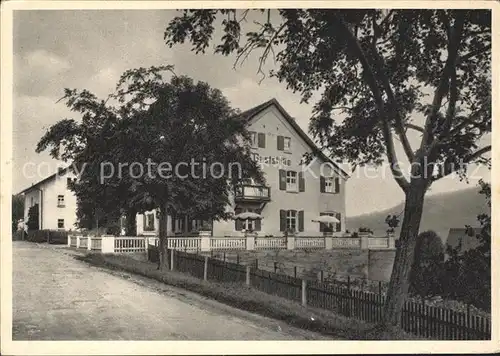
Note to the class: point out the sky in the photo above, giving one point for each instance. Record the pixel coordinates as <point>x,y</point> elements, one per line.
<point>90,49</point>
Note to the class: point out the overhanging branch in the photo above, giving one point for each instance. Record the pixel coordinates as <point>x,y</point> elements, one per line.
<point>370,78</point>
<point>450,168</point>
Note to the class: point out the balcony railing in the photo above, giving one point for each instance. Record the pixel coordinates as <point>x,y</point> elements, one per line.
<point>252,193</point>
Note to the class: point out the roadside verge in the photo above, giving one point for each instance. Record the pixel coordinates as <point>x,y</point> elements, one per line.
<point>246,298</point>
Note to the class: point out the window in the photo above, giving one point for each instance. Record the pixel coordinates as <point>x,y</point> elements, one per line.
<point>68,182</point>
<point>330,185</point>
<point>291,220</point>
<point>286,144</point>
<point>331,227</point>
<point>149,222</point>
<point>291,181</point>
<point>60,201</point>
<point>31,202</point>
<point>60,223</point>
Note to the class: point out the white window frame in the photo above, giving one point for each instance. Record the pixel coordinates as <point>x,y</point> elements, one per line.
<point>60,201</point>
<point>149,216</point>
<point>287,144</point>
<point>329,185</point>
<point>291,219</point>
<point>248,224</point>
<point>58,220</point>
<point>254,143</point>
<point>292,181</point>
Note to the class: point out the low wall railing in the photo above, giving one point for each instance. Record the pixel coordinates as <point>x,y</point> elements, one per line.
<point>131,244</point>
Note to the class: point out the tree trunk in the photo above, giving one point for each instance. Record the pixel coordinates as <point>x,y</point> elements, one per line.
<point>399,283</point>
<point>163,261</point>
<point>131,223</point>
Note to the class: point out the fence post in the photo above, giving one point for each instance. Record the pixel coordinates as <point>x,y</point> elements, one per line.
<point>224,258</point>
<point>256,263</point>
<point>78,242</point>
<point>275,266</point>
<point>247,279</point>
<point>172,259</point>
<point>295,271</point>
<point>89,243</point>
<point>205,269</point>
<point>238,258</point>
<point>69,240</point>
<point>379,287</point>
<point>304,292</point>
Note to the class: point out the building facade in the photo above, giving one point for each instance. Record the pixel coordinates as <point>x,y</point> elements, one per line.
<point>295,192</point>
<point>56,202</point>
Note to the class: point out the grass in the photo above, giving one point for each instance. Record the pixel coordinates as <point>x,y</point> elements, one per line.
<point>246,298</point>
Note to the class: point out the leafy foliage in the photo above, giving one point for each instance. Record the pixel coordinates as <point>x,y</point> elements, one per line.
<point>156,123</point>
<point>33,223</point>
<point>427,270</point>
<point>374,70</point>
<point>17,210</point>
<point>468,273</point>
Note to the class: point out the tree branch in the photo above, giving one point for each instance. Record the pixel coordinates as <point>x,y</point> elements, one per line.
<point>442,89</point>
<point>474,53</point>
<point>370,78</point>
<point>415,127</point>
<point>450,168</point>
<point>390,94</point>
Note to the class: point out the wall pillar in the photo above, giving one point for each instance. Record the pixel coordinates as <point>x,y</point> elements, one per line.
<point>250,241</point>
<point>107,244</point>
<point>77,241</point>
<point>290,242</point>
<point>328,242</point>
<point>364,241</point>
<point>391,243</point>
<point>205,241</point>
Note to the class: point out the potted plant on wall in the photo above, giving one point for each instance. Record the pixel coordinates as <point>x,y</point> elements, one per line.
<point>205,229</point>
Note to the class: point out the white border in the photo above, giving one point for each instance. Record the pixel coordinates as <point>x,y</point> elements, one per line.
<point>9,347</point>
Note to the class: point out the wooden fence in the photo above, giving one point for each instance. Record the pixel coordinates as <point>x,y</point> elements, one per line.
<point>419,319</point>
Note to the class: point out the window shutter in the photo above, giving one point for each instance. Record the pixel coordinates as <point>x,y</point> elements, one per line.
<point>302,182</point>
<point>281,143</point>
<point>282,220</point>
<point>321,225</point>
<point>261,139</point>
<point>238,224</point>
<point>282,177</point>
<point>337,185</point>
<point>257,225</point>
<point>339,227</point>
<point>322,184</point>
<point>144,222</point>
<point>301,220</point>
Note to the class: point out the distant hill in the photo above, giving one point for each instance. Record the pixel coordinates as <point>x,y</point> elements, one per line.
<point>441,212</point>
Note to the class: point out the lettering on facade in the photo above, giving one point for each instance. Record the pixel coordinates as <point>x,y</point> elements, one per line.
<point>276,161</point>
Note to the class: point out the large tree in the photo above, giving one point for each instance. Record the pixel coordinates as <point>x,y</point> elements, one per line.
<point>378,70</point>
<point>175,145</point>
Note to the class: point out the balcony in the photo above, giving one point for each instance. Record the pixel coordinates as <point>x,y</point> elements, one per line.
<point>249,193</point>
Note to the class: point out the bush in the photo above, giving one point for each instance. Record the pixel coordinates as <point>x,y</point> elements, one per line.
<point>428,266</point>
<point>50,236</point>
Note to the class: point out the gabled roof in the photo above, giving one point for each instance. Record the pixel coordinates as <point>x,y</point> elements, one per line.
<point>250,113</point>
<point>455,235</point>
<point>60,171</point>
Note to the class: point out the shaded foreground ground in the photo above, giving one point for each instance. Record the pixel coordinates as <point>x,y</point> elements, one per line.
<point>56,297</point>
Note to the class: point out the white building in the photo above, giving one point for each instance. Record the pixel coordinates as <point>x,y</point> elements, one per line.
<point>291,198</point>
<point>56,203</point>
